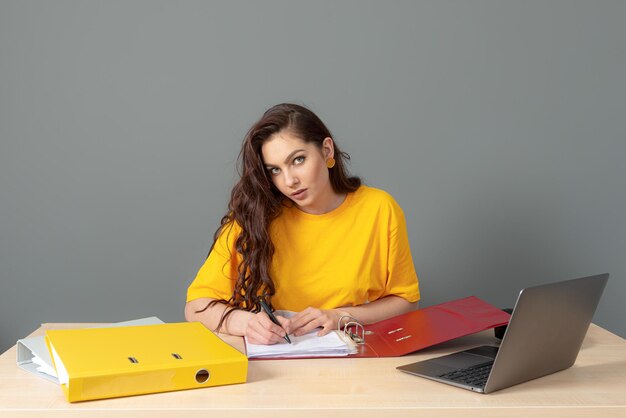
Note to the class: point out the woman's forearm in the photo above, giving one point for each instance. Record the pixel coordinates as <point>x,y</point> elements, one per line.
<point>235,324</point>
<point>380,309</point>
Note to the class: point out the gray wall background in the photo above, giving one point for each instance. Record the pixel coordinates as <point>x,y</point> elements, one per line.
<point>497,125</point>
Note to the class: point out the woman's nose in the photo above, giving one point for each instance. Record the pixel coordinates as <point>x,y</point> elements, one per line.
<point>290,180</point>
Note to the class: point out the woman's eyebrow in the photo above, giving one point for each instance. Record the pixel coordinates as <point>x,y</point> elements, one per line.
<point>292,154</point>
<point>288,157</point>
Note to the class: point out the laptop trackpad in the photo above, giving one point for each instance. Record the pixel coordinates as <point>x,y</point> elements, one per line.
<point>460,360</point>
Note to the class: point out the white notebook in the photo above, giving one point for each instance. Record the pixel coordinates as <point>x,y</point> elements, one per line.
<point>333,344</point>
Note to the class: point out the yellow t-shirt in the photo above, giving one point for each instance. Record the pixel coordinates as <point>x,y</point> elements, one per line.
<point>357,253</point>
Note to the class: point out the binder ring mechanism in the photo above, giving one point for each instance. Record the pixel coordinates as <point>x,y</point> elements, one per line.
<point>352,329</point>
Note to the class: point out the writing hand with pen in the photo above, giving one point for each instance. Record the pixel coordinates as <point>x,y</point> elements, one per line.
<point>266,328</point>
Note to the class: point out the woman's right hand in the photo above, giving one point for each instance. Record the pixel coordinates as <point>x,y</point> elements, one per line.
<point>261,330</point>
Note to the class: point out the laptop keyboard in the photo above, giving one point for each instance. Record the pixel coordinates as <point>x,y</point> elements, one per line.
<point>473,376</point>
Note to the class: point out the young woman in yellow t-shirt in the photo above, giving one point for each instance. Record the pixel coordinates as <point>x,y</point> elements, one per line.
<point>303,235</point>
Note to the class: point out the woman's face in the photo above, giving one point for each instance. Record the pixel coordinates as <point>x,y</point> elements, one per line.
<point>298,169</point>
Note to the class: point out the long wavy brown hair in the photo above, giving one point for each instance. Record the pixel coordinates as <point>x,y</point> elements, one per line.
<point>255,202</point>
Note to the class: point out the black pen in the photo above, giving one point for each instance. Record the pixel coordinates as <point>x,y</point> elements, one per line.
<point>273,318</point>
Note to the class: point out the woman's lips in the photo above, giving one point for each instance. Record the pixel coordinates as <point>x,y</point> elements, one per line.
<point>299,194</point>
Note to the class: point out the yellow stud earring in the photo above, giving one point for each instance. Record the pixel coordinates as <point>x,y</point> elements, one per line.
<point>330,163</point>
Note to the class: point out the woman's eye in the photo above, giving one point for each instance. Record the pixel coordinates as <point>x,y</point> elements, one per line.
<point>298,160</point>
<point>274,171</point>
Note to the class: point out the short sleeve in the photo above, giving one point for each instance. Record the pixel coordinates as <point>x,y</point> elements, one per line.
<point>401,277</point>
<point>217,276</point>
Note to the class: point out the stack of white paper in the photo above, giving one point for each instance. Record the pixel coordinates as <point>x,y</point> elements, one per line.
<point>333,344</point>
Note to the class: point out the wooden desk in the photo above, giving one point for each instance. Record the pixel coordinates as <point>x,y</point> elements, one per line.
<point>362,388</point>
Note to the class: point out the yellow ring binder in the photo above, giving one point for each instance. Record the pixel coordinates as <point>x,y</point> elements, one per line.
<point>96,363</point>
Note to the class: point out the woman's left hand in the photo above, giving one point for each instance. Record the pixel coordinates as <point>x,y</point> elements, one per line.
<point>311,318</point>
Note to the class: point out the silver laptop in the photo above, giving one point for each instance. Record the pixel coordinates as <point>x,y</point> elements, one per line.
<point>544,335</point>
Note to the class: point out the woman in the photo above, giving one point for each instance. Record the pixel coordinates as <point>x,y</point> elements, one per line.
<point>304,236</point>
